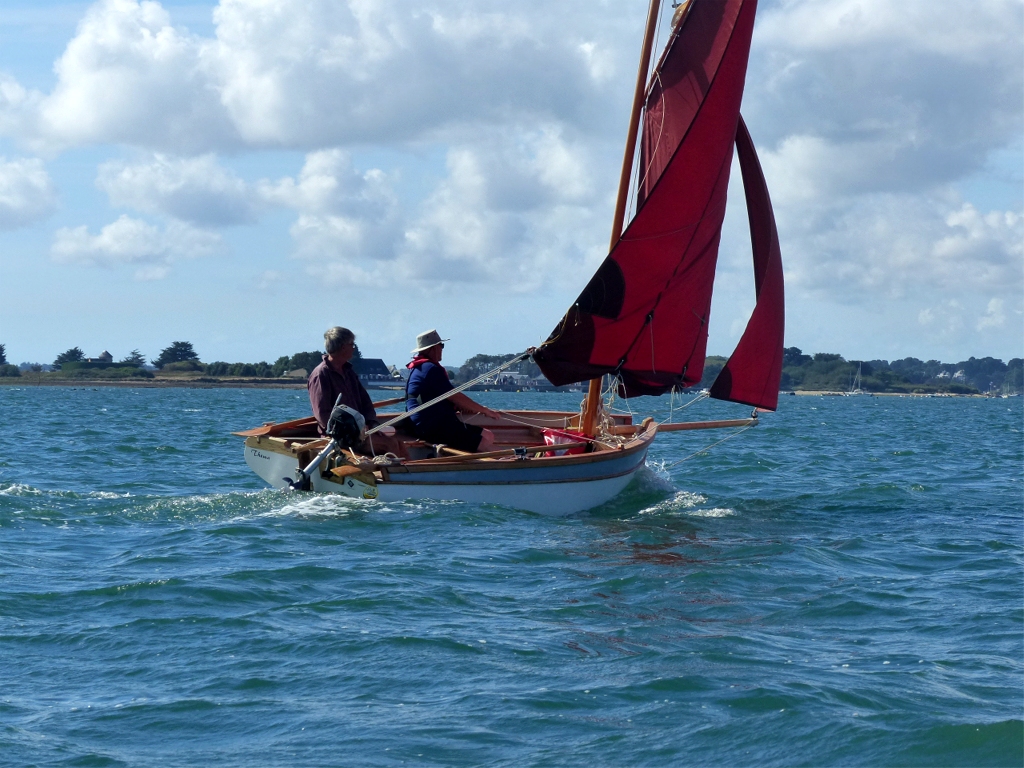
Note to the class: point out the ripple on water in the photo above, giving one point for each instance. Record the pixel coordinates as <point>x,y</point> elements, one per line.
<point>852,600</point>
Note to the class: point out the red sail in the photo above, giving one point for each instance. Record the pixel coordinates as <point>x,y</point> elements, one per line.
<point>644,314</point>
<point>752,373</point>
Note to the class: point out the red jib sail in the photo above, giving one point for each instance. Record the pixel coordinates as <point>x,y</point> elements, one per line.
<point>644,314</point>
<point>752,373</point>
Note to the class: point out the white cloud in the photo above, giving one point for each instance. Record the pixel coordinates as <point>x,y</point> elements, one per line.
<point>130,77</point>
<point>26,192</point>
<point>347,218</point>
<point>501,131</point>
<point>946,320</point>
<point>197,190</point>
<point>319,72</point>
<point>328,183</point>
<point>994,317</point>
<point>18,108</point>
<point>912,24</point>
<point>867,115</point>
<point>313,73</point>
<point>130,241</point>
<point>888,245</point>
<point>902,96</point>
<point>516,209</point>
<point>508,211</point>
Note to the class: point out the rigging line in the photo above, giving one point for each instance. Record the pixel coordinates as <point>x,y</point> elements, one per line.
<point>653,76</point>
<point>661,132</point>
<point>711,84</point>
<point>558,423</point>
<point>653,66</point>
<point>517,359</point>
<point>673,408</point>
<point>613,387</point>
<point>695,400</point>
<point>683,407</point>
<point>677,29</point>
<point>634,184</point>
<point>560,329</point>
<point>709,447</point>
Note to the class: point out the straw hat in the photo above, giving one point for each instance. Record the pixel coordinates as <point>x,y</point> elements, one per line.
<point>428,339</point>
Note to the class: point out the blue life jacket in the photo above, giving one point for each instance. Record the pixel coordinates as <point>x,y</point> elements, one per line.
<point>428,380</point>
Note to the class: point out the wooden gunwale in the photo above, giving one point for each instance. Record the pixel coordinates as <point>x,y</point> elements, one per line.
<point>271,429</point>
<point>283,445</point>
<point>264,438</point>
<point>462,456</point>
<point>641,442</point>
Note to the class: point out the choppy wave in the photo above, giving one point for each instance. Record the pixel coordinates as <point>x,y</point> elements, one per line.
<point>21,489</point>
<point>840,586</point>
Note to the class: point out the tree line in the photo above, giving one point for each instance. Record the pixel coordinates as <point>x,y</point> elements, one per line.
<point>481,364</point>
<point>831,372</point>
<point>821,371</point>
<point>179,356</point>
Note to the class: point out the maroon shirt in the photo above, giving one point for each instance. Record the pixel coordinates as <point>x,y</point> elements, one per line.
<point>325,384</point>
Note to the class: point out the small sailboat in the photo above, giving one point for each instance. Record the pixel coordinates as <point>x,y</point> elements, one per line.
<point>641,322</point>
<point>855,387</point>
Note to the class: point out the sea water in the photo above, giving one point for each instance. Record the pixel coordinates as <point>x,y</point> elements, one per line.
<point>841,585</point>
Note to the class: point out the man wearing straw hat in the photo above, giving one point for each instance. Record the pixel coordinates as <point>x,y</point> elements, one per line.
<point>440,423</point>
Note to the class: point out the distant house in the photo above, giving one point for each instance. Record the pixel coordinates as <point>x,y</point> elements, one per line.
<point>298,373</point>
<point>512,379</point>
<point>371,369</point>
<point>103,360</point>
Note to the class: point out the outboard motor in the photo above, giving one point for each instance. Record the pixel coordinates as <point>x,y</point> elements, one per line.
<point>346,426</point>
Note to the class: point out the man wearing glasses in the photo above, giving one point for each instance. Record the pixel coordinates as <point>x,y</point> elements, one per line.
<point>335,376</point>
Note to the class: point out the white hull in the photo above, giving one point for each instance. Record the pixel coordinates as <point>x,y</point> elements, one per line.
<point>549,499</point>
<point>548,485</point>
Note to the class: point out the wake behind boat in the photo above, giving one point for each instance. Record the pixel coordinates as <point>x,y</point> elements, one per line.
<point>641,322</point>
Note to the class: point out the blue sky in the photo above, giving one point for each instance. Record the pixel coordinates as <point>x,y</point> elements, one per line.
<point>243,175</point>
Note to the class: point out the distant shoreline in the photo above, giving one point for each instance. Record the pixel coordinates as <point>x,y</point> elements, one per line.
<point>30,380</point>
<point>828,393</point>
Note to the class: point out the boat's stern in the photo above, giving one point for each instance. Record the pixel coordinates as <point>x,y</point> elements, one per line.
<point>271,465</point>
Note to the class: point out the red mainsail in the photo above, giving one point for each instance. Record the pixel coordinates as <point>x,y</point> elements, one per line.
<point>643,316</point>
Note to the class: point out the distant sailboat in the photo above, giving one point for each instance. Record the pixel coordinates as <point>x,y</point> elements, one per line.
<point>855,387</point>
<point>642,319</point>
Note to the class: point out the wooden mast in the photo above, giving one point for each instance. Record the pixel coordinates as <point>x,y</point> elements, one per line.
<point>588,427</point>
